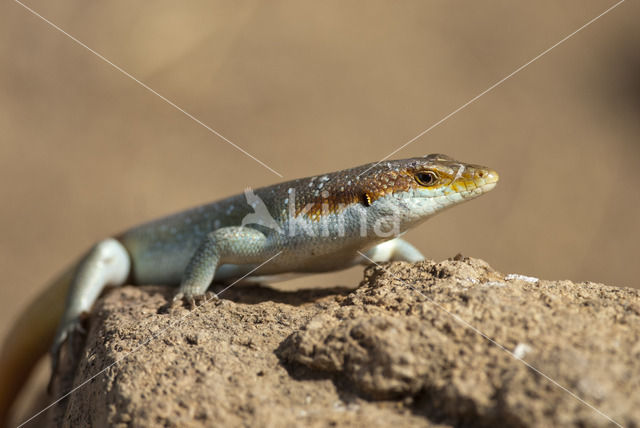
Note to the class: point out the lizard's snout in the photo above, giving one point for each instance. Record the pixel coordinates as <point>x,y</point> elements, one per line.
<point>486,179</point>
<point>474,180</point>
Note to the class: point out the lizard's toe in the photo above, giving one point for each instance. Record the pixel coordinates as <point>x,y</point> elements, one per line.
<point>192,301</point>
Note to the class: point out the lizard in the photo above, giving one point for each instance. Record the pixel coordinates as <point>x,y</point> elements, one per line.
<point>308,225</point>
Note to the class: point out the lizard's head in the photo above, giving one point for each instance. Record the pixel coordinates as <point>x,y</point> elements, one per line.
<point>414,189</point>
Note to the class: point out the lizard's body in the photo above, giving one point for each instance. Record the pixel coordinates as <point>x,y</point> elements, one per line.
<point>314,224</point>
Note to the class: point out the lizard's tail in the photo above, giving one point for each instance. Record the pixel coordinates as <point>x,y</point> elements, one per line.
<point>28,340</point>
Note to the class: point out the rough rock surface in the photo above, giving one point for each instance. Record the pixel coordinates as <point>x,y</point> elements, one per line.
<point>427,344</point>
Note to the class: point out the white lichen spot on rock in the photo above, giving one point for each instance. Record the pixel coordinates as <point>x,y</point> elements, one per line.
<point>525,278</point>
<point>521,350</point>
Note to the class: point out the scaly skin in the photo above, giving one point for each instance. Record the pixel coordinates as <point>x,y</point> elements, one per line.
<point>314,224</point>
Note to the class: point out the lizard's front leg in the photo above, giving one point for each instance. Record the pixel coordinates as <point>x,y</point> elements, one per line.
<point>235,245</point>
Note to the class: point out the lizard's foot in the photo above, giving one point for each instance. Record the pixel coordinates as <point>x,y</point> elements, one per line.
<point>73,333</point>
<point>192,301</point>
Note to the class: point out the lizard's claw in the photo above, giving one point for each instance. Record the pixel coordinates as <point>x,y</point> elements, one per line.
<point>192,301</point>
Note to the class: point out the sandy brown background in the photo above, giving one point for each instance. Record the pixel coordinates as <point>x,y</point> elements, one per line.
<point>311,87</point>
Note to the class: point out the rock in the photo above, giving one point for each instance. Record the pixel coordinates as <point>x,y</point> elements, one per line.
<point>427,344</point>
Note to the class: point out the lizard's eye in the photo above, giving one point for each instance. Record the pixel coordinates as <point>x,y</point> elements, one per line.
<point>427,178</point>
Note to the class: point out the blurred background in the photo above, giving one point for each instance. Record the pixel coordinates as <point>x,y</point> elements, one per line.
<point>311,87</point>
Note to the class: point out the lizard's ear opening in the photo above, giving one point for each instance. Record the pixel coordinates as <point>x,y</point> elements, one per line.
<point>365,199</point>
